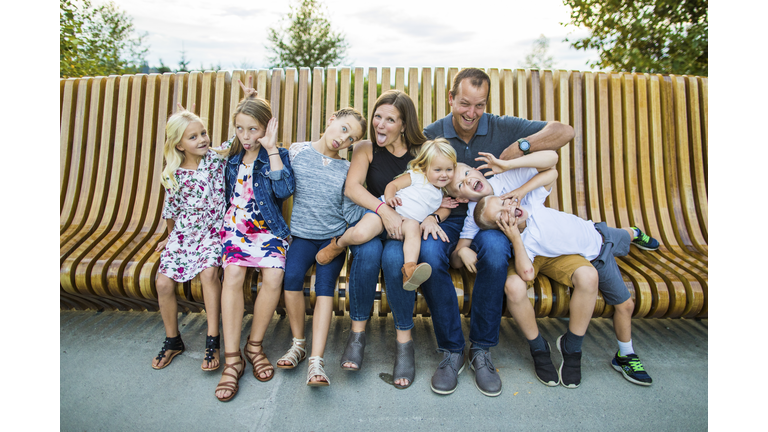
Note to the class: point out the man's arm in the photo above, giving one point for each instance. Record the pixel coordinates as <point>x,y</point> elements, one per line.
<point>553,136</point>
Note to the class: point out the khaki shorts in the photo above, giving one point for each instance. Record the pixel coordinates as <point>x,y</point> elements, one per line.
<point>559,269</point>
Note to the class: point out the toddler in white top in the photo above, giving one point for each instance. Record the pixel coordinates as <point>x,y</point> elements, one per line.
<point>414,195</point>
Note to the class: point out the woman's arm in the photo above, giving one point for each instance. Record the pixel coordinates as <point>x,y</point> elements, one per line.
<point>362,155</point>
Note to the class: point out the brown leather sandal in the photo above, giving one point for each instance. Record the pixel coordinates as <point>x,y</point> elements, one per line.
<point>255,359</point>
<point>232,386</point>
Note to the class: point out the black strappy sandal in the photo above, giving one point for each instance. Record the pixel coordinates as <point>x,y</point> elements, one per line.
<point>171,348</point>
<point>212,344</point>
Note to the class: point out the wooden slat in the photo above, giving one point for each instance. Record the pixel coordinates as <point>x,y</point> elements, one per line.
<point>440,102</point>
<point>302,106</point>
<point>359,90</point>
<point>345,89</point>
<point>67,127</point>
<point>547,103</point>
<point>386,80</point>
<point>578,193</point>
<point>235,95</point>
<point>427,101</point>
<point>697,165</point>
<point>206,100</point>
<point>507,96</point>
<point>596,142</point>
<point>276,96</point>
<point>75,163</point>
<point>317,117</point>
<point>521,94</point>
<point>565,198</point>
<point>533,78</point>
<point>101,172</point>
<point>400,79</point>
<point>330,97</point>
<point>372,96</point>
<point>413,89</point>
<point>80,205</point>
<point>289,108</point>
<point>493,105</point>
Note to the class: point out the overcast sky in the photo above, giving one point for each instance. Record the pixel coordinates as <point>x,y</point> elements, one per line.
<point>481,33</point>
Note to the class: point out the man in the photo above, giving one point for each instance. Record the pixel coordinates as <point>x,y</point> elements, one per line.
<point>470,130</point>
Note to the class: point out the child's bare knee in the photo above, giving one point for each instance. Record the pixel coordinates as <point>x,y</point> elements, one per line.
<point>516,289</point>
<point>585,279</point>
<point>209,275</point>
<point>165,286</point>
<point>627,307</point>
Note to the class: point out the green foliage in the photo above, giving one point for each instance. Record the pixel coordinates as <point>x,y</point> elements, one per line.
<point>308,41</point>
<point>655,36</point>
<point>97,41</point>
<point>538,58</point>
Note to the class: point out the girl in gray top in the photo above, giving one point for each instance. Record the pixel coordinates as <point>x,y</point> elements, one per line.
<point>319,213</point>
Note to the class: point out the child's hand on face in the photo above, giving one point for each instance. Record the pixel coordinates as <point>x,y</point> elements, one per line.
<point>449,202</point>
<point>394,202</point>
<point>508,228</point>
<point>516,196</point>
<point>269,140</point>
<point>495,165</point>
<point>249,91</point>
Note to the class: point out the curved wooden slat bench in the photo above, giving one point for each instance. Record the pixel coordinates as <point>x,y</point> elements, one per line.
<point>639,157</point>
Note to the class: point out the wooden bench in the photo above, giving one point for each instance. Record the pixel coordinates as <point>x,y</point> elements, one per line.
<point>639,157</point>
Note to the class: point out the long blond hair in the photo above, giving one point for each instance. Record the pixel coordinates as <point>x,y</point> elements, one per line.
<point>429,150</point>
<point>174,131</point>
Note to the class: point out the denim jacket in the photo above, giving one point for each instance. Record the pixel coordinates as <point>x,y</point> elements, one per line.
<point>270,188</point>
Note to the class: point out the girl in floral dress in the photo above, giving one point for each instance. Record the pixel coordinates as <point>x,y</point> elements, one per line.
<point>258,178</point>
<point>194,205</point>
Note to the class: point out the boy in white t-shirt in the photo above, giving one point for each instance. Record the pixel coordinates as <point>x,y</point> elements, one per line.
<point>548,233</point>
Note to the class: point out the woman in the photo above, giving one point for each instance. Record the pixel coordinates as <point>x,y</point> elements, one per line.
<point>395,139</point>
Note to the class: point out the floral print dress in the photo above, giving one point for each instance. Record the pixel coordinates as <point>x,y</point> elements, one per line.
<point>197,208</point>
<point>247,240</point>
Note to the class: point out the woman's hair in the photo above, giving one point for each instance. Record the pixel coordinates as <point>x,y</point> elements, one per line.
<point>174,131</point>
<point>429,150</point>
<point>344,112</point>
<point>255,107</point>
<point>413,136</point>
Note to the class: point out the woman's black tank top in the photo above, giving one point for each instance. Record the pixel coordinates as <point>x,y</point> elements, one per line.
<point>383,169</point>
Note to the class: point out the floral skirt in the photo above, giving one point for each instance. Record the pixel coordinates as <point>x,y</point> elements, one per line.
<point>248,242</point>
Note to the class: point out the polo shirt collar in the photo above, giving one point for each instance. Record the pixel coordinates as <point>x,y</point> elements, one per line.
<point>450,132</point>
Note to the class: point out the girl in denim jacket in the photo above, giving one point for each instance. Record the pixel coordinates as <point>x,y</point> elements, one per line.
<point>254,234</point>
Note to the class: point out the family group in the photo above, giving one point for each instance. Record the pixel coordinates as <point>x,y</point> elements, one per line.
<point>466,191</point>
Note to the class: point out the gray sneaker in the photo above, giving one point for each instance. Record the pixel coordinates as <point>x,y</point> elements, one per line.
<point>446,377</point>
<point>487,380</point>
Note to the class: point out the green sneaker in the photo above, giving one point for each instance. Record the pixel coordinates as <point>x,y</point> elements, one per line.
<point>631,368</point>
<point>644,241</point>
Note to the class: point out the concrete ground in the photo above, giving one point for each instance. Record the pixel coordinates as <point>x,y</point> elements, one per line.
<point>107,384</point>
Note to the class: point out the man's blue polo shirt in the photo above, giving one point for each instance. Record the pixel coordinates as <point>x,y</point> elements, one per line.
<point>494,134</point>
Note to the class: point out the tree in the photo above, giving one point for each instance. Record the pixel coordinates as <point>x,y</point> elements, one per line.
<point>538,58</point>
<point>655,36</point>
<point>97,41</point>
<point>308,41</point>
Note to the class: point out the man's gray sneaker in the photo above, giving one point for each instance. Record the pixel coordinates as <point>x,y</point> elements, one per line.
<point>487,379</point>
<point>446,377</point>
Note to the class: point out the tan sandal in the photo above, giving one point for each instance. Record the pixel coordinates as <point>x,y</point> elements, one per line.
<point>232,386</point>
<point>255,359</point>
<point>316,368</point>
<point>295,355</point>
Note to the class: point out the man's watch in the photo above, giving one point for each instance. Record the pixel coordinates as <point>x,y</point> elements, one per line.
<point>525,146</point>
